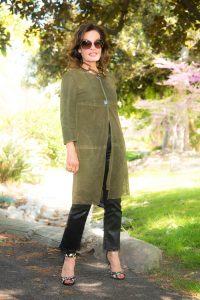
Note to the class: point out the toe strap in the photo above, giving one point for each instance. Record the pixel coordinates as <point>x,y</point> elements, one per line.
<point>116,274</point>
<point>68,278</point>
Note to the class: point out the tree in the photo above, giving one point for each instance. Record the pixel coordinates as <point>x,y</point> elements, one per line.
<point>173,114</point>
<point>137,31</point>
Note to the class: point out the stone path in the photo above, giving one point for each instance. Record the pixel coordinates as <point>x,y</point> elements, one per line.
<point>30,271</point>
<point>136,254</point>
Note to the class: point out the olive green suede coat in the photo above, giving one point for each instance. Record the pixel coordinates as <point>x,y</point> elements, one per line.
<point>88,103</point>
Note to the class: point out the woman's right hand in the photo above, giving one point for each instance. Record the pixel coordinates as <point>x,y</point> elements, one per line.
<point>72,163</point>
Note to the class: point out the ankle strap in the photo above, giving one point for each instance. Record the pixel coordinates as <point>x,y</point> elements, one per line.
<point>70,254</point>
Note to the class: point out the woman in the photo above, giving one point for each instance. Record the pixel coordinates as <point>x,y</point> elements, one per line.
<point>95,147</point>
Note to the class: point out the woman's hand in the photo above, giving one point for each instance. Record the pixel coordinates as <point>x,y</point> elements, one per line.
<point>72,163</point>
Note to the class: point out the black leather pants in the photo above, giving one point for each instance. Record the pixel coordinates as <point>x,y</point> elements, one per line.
<point>112,224</point>
<point>71,240</point>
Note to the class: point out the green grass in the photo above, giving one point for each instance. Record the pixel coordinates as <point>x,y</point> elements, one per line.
<point>169,220</point>
<point>133,155</point>
<point>187,284</point>
<point>176,279</point>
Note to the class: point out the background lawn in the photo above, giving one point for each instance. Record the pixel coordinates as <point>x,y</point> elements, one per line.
<point>168,219</point>
<point>164,210</point>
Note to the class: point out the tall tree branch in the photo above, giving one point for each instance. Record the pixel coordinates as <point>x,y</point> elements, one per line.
<point>124,11</point>
<point>192,8</point>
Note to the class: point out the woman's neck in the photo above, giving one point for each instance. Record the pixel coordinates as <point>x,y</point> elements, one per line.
<point>90,66</point>
<point>87,67</point>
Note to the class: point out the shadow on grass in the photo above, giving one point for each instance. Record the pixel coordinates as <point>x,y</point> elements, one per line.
<point>169,219</point>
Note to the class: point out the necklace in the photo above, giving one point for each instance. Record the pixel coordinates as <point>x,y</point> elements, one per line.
<point>92,70</point>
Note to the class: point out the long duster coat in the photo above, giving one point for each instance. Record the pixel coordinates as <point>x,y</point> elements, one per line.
<point>88,104</point>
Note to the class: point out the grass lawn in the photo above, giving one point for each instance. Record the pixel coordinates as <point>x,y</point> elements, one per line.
<point>170,220</point>
<point>167,216</point>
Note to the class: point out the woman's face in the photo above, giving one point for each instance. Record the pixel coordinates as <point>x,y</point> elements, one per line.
<point>92,54</point>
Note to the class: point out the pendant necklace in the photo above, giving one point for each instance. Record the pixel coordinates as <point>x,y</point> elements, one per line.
<point>92,70</point>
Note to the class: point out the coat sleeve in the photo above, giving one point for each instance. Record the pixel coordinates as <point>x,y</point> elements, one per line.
<point>68,108</point>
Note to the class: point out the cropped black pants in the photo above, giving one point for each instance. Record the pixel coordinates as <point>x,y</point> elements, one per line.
<point>71,240</point>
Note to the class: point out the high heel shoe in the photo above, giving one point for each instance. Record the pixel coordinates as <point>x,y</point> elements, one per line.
<point>68,280</point>
<point>115,275</point>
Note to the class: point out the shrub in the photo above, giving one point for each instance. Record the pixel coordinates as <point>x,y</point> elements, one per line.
<point>20,159</point>
<point>133,155</point>
<point>43,125</point>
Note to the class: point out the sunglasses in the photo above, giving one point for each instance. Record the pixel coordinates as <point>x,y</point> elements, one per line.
<point>86,44</point>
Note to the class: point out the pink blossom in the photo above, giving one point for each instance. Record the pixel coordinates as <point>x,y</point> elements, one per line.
<point>195,78</point>
<point>182,74</point>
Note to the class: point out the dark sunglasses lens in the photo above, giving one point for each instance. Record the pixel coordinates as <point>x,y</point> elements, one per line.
<point>86,44</point>
<point>98,44</point>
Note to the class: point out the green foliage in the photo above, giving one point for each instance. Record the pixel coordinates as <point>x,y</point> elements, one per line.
<point>21,159</point>
<point>42,128</point>
<point>137,31</point>
<point>13,161</point>
<point>133,155</point>
<point>43,125</point>
<point>4,39</point>
<point>150,93</point>
<point>195,140</point>
<point>194,133</point>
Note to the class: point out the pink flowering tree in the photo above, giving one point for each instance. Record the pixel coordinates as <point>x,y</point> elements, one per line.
<point>173,114</point>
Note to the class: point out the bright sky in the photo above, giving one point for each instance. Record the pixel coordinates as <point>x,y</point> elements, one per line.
<point>13,96</point>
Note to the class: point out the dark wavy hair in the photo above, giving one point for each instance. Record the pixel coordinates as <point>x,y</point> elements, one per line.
<point>75,58</point>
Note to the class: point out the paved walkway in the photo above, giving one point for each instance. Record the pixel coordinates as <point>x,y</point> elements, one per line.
<point>31,270</point>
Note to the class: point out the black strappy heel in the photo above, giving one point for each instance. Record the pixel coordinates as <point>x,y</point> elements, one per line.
<point>115,275</point>
<point>71,279</point>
